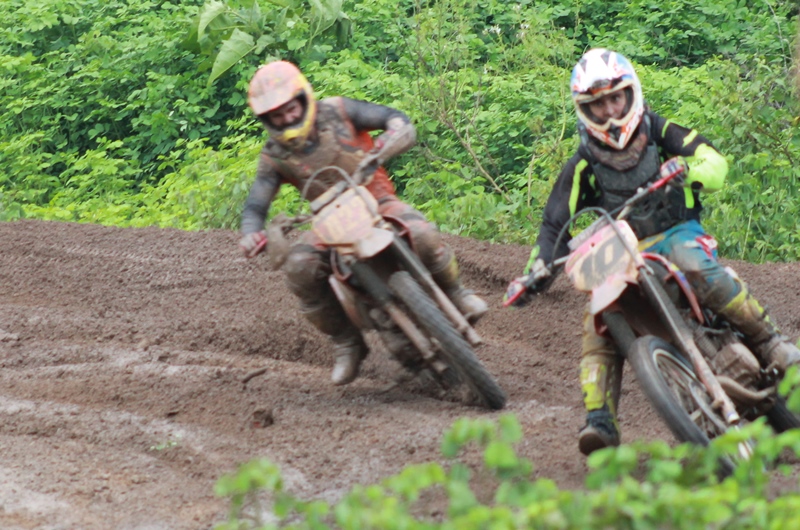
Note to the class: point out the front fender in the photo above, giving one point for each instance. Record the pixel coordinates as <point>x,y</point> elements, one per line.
<point>374,243</point>
<point>608,293</point>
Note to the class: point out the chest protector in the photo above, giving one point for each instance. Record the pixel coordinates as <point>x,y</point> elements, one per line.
<point>663,209</point>
<point>338,144</point>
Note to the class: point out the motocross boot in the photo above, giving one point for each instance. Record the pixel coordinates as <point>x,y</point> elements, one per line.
<point>599,432</point>
<point>349,348</point>
<point>601,381</point>
<point>763,337</point>
<point>446,276</point>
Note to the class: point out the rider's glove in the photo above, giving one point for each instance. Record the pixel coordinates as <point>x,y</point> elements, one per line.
<point>677,168</point>
<point>397,138</point>
<point>252,244</point>
<point>521,290</point>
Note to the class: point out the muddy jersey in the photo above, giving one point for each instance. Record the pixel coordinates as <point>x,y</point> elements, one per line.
<point>341,139</point>
<point>586,181</point>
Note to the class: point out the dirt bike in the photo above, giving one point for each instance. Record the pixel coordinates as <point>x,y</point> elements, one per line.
<point>691,364</point>
<point>382,284</point>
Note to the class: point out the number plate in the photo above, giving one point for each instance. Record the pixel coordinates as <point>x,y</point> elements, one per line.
<point>346,220</point>
<point>602,258</point>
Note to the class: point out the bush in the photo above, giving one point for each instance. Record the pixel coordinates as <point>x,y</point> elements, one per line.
<point>101,100</point>
<point>642,485</point>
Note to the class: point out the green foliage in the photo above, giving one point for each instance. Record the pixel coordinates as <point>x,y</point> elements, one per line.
<point>84,81</point>
<point>289,30</point>
<point>680,32</point>
<point>108,108</point>
<point>642,485</point>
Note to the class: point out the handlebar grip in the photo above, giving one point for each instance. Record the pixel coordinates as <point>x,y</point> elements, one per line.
<point>518,288</point>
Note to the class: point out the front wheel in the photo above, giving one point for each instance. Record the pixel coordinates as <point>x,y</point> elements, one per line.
<point>678,396</point>
<point>674,390</point>
<point>457,352</point>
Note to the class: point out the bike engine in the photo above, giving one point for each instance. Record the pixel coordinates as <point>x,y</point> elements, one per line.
<point>736,361</point>
<point>728,356</point>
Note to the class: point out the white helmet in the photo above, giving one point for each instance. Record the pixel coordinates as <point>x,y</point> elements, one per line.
<point>598,73</point>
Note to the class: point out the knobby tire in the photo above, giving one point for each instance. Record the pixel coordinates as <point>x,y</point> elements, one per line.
<point>642,356</point>
<point>781,418</point>
<point>457,352</point>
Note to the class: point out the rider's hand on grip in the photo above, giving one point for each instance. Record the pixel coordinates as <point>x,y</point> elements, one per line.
<point>521,290</point>
<point>253,244</point>
<point>675,169</point>
<point>517,293</point>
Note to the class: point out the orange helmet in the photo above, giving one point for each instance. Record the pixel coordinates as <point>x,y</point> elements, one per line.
<point>276,84</point>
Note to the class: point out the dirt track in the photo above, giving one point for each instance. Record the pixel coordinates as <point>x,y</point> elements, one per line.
<point>122,353</point>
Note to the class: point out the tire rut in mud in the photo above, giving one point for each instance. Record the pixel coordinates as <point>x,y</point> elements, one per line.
<point>123,353</point>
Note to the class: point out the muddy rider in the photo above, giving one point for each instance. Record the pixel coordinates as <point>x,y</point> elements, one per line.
<point>623,145</point>
<point>306,135</point>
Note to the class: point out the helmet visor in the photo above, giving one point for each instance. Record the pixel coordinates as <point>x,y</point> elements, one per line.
<point>287,115</point>
<point>610,105</point>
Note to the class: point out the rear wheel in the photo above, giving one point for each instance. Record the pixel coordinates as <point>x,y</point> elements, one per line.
<point>677,394</point>
<point>781,418</point>
<point>457,352</point>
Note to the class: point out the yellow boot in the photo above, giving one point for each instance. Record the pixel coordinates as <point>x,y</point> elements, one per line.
<point>763,337</point>
<point>601,380</point>
<point>600,376</point>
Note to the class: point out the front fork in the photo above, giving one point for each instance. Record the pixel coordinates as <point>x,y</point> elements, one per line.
<point>419,272</point>
<point>684,338</point>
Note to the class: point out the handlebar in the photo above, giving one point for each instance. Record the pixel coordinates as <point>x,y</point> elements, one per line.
<point>528,285</point>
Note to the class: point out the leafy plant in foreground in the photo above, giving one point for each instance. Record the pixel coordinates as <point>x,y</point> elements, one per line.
<point>642,485</point>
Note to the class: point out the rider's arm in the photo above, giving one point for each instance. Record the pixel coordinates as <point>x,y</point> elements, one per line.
<point>571,193</point>
<point>263,191</point>
<point>707,167</point>
<point>367,116</point>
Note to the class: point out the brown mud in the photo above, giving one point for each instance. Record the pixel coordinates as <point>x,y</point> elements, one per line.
<point>123,353</point>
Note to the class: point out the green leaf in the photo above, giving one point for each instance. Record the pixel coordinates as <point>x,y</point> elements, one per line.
<point>499,455</point>
<point>510,429</point>
<point>211,10</point>
<point>262,42</point>
<point>252,16</point>
<point>461,497</point>
<point>237,46</point>
<point>295,44</point>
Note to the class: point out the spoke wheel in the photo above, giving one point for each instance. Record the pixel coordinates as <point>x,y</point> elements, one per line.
<point>677,394</point>
<point>689,392</point>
